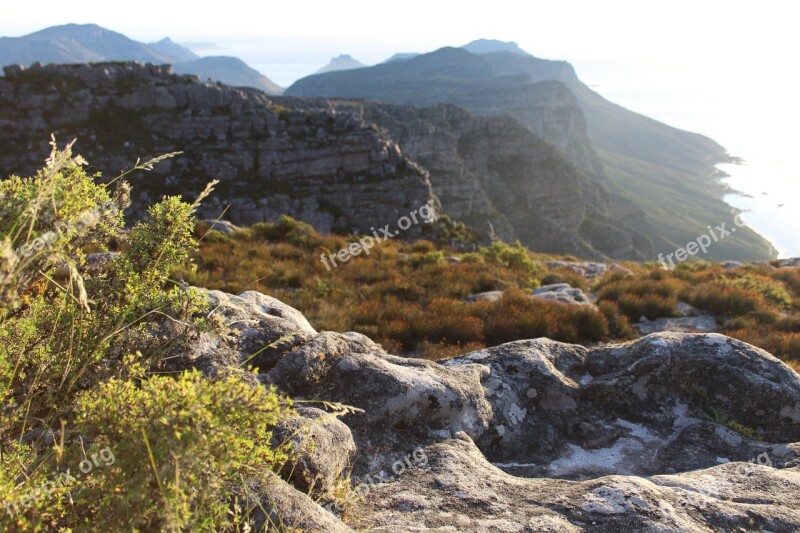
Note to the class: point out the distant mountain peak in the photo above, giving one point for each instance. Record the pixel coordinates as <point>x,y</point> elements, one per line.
<point>174,50</point>
<point>488,46</point>
<point>341,62</point>
<point>402,56</point>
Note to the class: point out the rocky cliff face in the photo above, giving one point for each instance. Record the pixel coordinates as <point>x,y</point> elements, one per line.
<point>456,76</point>
<point>492,170</point>
<point>330,169</point>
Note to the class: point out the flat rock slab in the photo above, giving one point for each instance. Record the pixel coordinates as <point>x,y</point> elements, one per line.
<point>458,490</point>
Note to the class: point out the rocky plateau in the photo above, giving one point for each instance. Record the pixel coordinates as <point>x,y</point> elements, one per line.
<point>670,432</point>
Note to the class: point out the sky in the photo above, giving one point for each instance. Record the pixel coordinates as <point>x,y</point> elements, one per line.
<point>726,69</point>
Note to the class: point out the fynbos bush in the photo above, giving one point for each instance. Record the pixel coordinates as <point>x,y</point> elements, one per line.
<point>80,359</point>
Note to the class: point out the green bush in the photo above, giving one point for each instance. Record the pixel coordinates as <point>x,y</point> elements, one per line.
<point>513,256</point>
<point>181,446</point>
<point>723,300</point>
<point>772,290</point>
<point>80,358</point>
<point>432,258</point>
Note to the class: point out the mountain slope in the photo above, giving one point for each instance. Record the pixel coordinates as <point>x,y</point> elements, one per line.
<point>228,70</point>
<point>641,163</point>
<point>172,49</point>
<point>492,170</point>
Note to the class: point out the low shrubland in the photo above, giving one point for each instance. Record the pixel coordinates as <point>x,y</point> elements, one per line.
<point>412,296</point>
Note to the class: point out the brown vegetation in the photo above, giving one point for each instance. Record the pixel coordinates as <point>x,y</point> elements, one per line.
<point>411,296</point>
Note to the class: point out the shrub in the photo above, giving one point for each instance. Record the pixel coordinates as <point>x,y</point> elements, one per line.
<point>288,230</point>
<point>773,291</point>
<point>565,275</point>
<point>721,299</point>
<point>652,297</point>
<point>513,256</point>
<point>432,258</point>
<point>790,277</point>
<point>519,316</point>
<point>652,306</point>
<point>618,325</point>
<point>79,353</point>
<point>423,247</point>
<point>180,445</point>
<point>449,320</point>
<point>472,257</point>
<point>442,350</point>
<point>59,338</point>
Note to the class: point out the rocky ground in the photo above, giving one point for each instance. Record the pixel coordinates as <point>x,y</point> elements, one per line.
<point>670,432</point>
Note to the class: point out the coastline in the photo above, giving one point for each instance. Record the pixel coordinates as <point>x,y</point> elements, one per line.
<point>760,211</point>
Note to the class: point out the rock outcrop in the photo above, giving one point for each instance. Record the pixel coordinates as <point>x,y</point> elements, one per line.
<point>671,432</point>
<point>330,169</point>
<point>563,293</point>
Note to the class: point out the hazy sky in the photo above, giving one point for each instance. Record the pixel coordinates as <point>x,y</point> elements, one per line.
<point>727,69</point>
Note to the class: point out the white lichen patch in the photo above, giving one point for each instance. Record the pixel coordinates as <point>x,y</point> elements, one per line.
<point>612,500</point>
<point>516,414</point>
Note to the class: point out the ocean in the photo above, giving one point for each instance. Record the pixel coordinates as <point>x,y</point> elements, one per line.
<point>769,196</point>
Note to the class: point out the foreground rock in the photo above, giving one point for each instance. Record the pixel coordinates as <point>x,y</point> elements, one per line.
<point>458,490</point>
<point>279,507</point>
<point>671,432</point>
<point>323,449</point>
<point>252,329</point>
<point>412,400</point>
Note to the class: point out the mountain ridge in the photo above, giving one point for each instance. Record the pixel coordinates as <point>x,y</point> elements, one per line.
<point>644,165</point>
<point>90,43</point>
